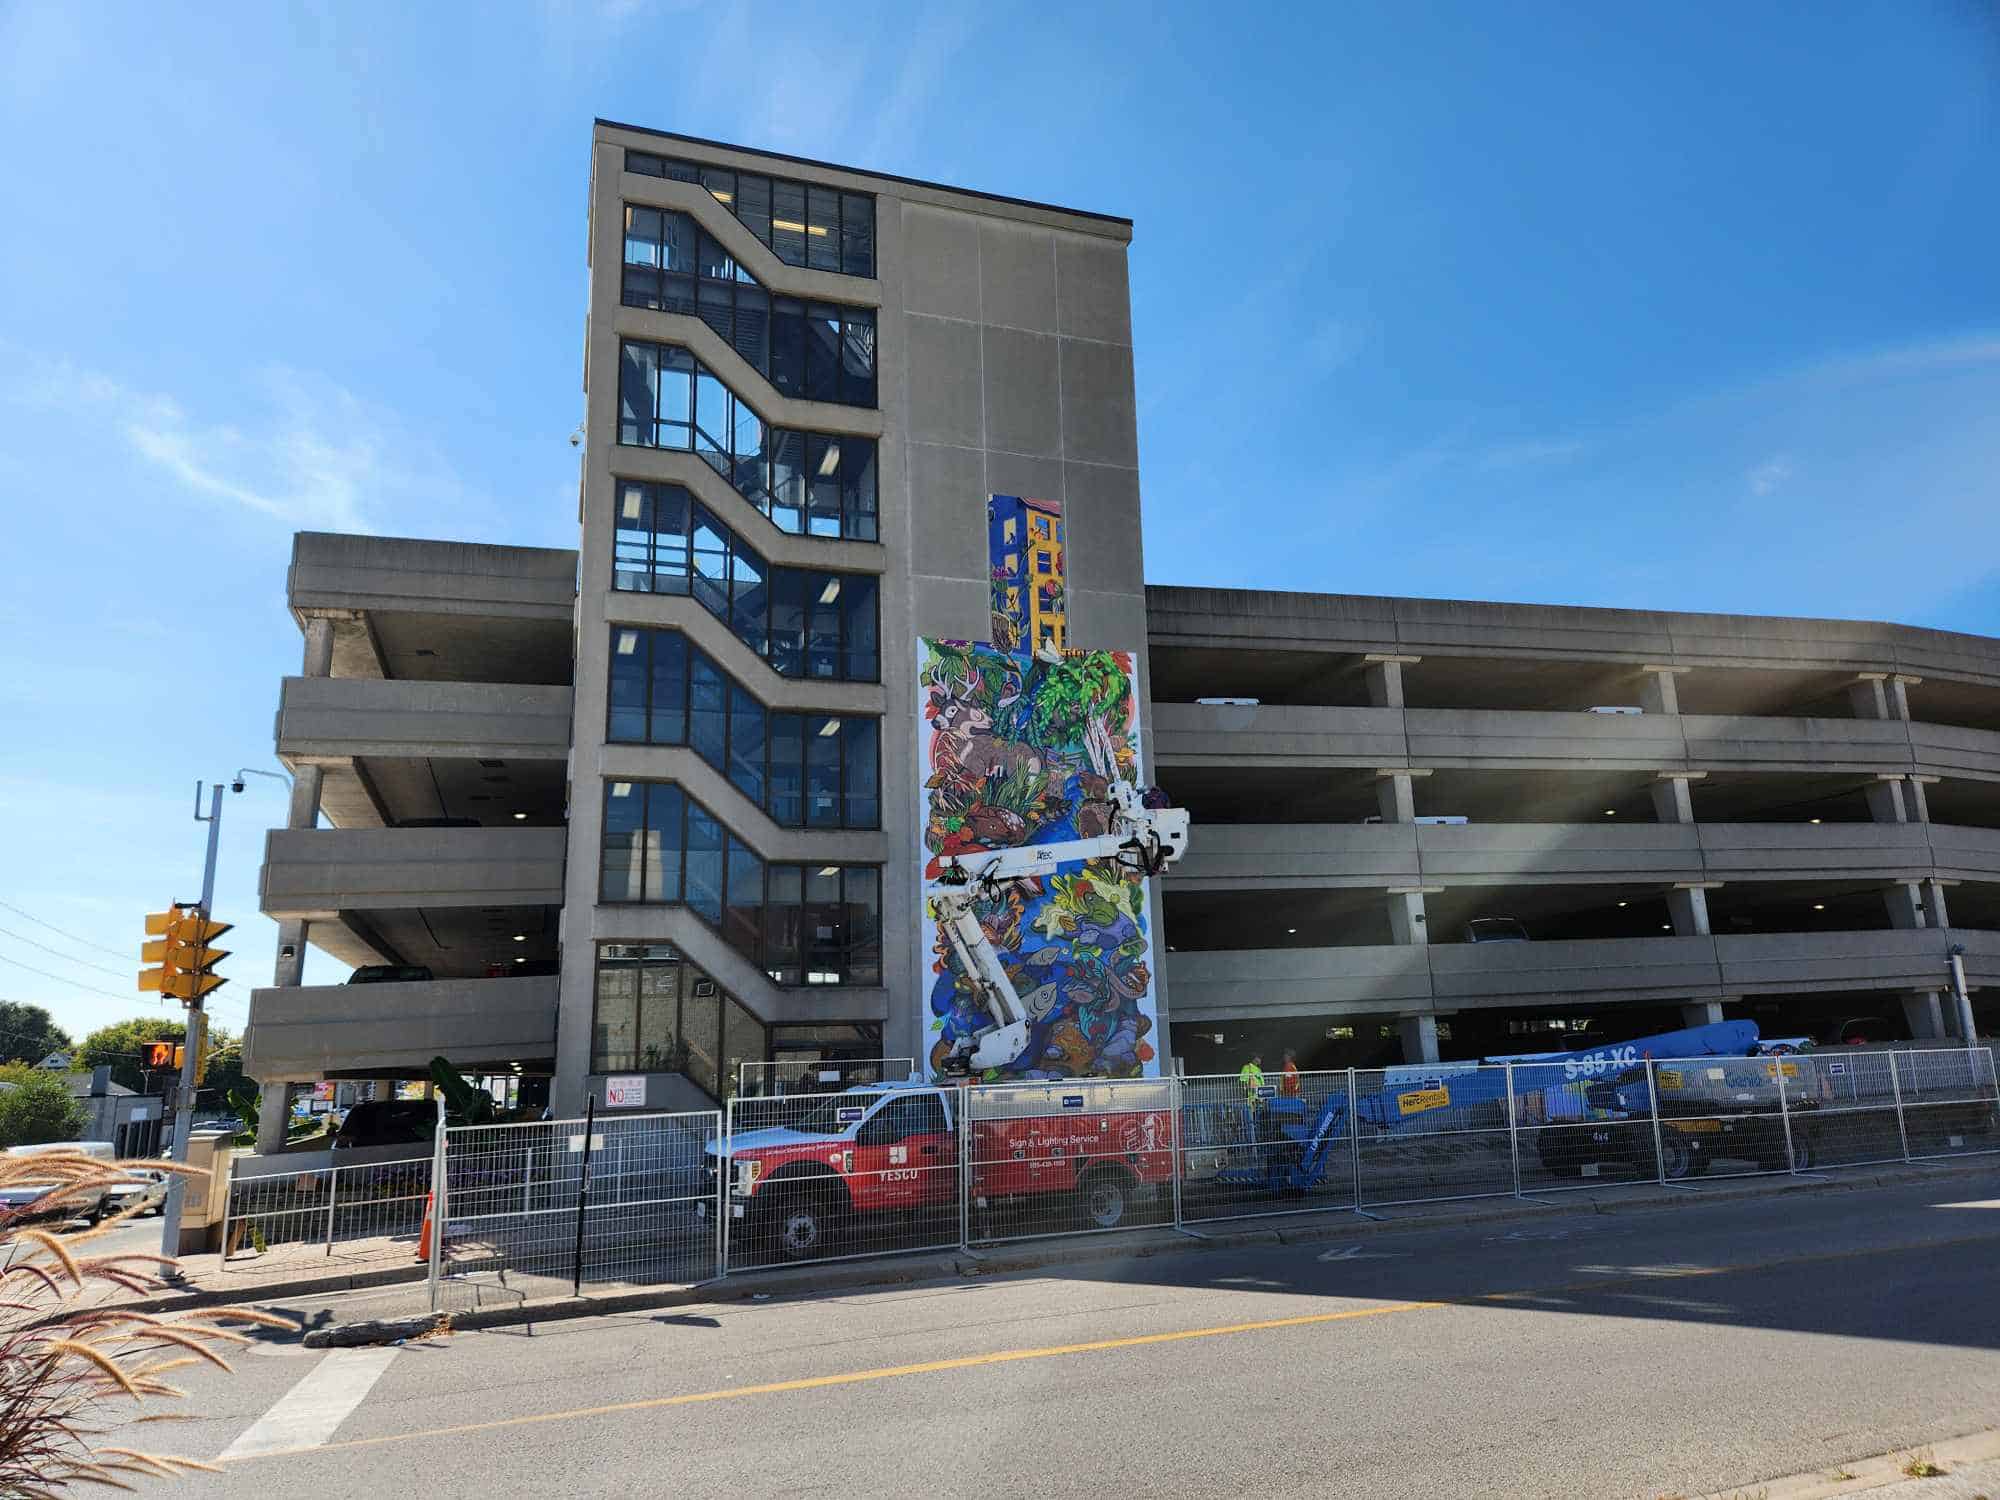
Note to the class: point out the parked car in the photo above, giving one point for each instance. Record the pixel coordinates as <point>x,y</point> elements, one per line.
<point>386,1122</point>
<point>86,1203</point>
<point>389,974</point>
<point>1495,930</point>
<point>147,1193</point>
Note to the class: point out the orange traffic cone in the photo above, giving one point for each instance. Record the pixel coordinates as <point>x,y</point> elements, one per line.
<point>424,1239</point>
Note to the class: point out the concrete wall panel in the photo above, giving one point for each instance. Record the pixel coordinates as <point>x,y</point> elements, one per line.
<point>945,398</point>
<point>346,716</point>
<point>1021,386</point>
<point>1017,276</point>
<point>308,1031</point>
<point>1098,406</point>
<point>315,872</point>
<point>1092,293</point>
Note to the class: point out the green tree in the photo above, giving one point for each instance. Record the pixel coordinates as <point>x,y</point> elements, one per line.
<point>29,1033</point>
<point>36,1106</point>
<point>123,1046</point>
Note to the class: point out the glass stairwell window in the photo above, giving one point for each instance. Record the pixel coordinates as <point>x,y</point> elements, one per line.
<point>806,483</point>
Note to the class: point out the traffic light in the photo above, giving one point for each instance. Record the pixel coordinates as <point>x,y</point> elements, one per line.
<point>182,947</point>
<point>164,1054</point>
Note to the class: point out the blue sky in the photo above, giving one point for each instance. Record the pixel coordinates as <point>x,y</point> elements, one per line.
<point>1685,307</point>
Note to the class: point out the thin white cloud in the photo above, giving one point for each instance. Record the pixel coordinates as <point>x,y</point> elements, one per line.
<point>306,452</point>
<point>1769,475</point>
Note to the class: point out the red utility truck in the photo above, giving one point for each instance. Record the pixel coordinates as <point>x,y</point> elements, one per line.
<point>1087,1149</point>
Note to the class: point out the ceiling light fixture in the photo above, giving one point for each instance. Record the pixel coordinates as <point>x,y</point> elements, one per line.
<point>520,937</point>
<point>1819,906</point>
<point>1291,930</point>
<point>1624,903</point>
<point>829,729</point>
<point>831,462</point>
<point>628,642</point>
<point>831,592</point>
<point>1666,927</point>
<point>1812,820</point>
<point>1610,812</point>
<point>826,870</point>
<point>520,817</point>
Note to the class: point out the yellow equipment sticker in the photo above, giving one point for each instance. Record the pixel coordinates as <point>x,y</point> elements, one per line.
<point>1422,1099</point>
<point>1668,1078</point>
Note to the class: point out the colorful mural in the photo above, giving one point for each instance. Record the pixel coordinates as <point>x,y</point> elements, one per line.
<point>1024,547</point>
<point>1018,751</point>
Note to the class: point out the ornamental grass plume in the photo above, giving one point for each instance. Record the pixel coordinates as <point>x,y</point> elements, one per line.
<point>73,1362</point>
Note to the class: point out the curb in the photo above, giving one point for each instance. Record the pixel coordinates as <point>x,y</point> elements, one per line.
<point>273,1291</point>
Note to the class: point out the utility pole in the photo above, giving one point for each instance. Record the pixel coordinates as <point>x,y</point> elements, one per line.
<point>197,1032</point>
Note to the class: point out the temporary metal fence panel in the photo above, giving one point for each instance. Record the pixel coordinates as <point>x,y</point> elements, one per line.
<point>1429,1133</point>
<point>1723,1116</point>
<point>865,1171</point>
<point>367,1213</point>
<point>1844,1109</point>
<point>1065,1158</point>
<point>1950,1104</point>
<point>1582,1126</point>
<point>538,1207</point>
<point>1247,1152</point>
<point>762,1080</point>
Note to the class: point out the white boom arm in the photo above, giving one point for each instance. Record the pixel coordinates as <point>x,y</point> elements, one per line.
<point>1145,836</point>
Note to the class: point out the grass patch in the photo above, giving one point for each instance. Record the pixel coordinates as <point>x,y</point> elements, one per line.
<point>1923,1464</point>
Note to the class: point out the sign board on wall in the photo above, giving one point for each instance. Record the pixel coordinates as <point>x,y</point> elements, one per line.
<point>625,1093</point>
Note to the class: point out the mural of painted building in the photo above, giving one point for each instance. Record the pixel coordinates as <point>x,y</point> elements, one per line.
<point>1017,749</point>
<point>1024,543</point>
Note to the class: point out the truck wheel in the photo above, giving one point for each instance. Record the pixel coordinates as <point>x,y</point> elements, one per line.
<point>1104,1197</point>
<point>798,1225</point>
<point>1676,1156</point>
<point>1805,1150</point>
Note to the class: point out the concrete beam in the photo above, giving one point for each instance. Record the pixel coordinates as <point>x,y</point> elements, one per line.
<point>1420,1038</point>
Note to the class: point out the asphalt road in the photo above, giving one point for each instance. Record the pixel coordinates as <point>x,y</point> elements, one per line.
<point>1638,1353</point>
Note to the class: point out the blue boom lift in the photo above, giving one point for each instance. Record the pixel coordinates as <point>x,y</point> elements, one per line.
<point>1294,1145</point>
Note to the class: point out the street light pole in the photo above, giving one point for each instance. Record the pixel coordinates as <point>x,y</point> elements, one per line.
<point>197,1031</point>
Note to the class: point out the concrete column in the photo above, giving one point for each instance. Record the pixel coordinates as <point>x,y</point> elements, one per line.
<point>1396,794</point>
<point>1906,908</point>
<point>1924,1012</point>
<point>319,647</point>
<point>1673,799</point>
<point>1936,913</point>
<point>291,953</point>
<point>1385,678</point>
<point>1658,693</point>
<point>307,783</point>
<point>1916,800</point>
<point>1701,1013</point>
<point>1688,905</point>
<point>1867,697</point>
<point>1899,694</point>
<point>1406,914</point>
<point>1885,800</point>
<point>274,1108</point>
<point>1420,1038</point>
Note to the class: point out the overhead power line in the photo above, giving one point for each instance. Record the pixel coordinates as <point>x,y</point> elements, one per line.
<point>66,958</point>
<point>59,979</point>
<point>85,942</point>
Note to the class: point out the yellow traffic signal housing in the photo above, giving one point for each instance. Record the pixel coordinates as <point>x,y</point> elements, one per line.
<point>182,950</point>
<point>185,987</point>
<point>164,1054</point>
<point>192,927</point>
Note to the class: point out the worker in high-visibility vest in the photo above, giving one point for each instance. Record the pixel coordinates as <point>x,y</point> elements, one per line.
<point>1251,1076</point>
<point>1288,1080</point>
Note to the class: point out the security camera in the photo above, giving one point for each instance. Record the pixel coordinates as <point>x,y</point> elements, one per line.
<point>576,438</point>
<point>235,786</point>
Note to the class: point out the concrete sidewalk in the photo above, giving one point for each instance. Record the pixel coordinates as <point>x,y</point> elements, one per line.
<point>508,1301</point>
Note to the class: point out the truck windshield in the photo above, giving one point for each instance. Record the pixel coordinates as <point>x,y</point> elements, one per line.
<point>825,1118</point>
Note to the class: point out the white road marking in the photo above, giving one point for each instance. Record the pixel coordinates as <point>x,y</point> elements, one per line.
<point>1355,1252</point>
<point>312,1411</point>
